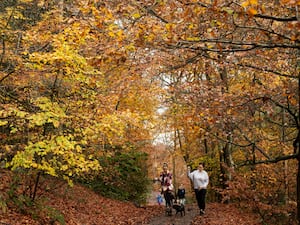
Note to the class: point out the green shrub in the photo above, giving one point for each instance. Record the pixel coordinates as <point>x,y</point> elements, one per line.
<point>55,215</point>
<point>124,177</point>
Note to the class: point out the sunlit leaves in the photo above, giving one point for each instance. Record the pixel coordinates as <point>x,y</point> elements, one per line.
<point>60,156</point>
<point>83,81</point>
<point>51,113</point>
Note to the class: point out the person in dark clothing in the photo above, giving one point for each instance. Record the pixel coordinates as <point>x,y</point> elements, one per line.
<point>181,194</point>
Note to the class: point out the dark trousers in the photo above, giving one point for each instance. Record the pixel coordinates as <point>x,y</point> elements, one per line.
<point>200,196</point>
<point>168,198</point>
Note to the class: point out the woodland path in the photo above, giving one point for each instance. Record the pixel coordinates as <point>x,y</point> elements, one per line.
<point>162,219</point>
<point>216,214</point>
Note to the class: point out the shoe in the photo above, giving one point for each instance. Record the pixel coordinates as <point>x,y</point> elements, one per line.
<point>202,212</point>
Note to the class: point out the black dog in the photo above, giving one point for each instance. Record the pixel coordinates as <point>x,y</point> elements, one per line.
<point>168,211</point>
<point>179,208</point>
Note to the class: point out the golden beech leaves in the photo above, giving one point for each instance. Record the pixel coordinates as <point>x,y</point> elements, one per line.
<point>51,113</point>
<point>60,156</point>
<point>80,78</point>
<point>80,84</point>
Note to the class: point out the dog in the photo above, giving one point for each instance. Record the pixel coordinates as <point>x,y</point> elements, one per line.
<point>179,207</point>
<point>168,211</point>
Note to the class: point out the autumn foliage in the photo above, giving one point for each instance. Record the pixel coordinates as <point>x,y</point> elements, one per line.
<point>85,82</point>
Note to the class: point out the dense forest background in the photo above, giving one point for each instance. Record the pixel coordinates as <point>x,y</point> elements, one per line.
<point>88,89</point>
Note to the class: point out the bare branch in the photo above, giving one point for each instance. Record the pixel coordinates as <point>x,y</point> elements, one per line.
<point>279,19</point>
<point>267,70</point>
<point>6,76</point>
<point>275,160</point>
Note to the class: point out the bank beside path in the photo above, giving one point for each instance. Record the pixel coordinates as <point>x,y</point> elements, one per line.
<point>81,206</point>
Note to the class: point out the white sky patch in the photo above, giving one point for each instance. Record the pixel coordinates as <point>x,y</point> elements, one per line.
<point>164,138</point>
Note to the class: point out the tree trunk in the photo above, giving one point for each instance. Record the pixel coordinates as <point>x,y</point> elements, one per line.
<point>174,163</point>
<point>226,164</point>
<point>297,149</point>
<point>298,189</point>
<point>36,186</point>
<point>205,146</point>
<point>285,163</point>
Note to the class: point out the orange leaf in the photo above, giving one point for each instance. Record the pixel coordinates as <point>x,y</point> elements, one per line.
<point>252,11</point>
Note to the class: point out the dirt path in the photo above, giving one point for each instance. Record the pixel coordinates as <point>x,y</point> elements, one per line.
<point>191,212</point>
<point>216,214</point>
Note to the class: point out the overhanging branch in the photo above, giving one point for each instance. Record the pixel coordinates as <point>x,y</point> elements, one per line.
<point>275,160</point>
<point>279,19</point>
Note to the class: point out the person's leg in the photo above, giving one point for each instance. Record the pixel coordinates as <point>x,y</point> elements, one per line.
<point>182,201</point>
<point>202,194</point>
<point>198,198</point>
<point>167,198</point>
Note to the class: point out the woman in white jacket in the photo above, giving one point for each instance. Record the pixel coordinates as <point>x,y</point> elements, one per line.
<point>200,181</point>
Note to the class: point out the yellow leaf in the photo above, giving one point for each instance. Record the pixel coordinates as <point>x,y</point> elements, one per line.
<point>13,130</point>
<point>136,15</point>
<point>191,26</point>
<point>64,167</point>
<point>3,123</point>
<point>210,46</point>
<point>55,123</point>
<point>169,26</point>
<point>193,39</point>
<point>245,4</point>
<point>111,34</point>
<point>26,1</point>
<point>253,2</point>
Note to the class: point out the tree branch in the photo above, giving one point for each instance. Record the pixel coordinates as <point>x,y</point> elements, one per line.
<point>151,12</point>
<point>279,19</point>
<point>6,76</point>
<point>275,160</point>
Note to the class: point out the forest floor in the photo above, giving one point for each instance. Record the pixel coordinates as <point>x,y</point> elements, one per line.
<point>81,206</point>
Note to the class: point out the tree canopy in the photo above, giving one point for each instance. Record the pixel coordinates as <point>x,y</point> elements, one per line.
<point>80,79</point>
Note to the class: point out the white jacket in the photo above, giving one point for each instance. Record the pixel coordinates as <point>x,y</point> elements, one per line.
<point>200,179</point>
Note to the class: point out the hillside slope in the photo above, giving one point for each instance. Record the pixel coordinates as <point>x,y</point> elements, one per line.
<point>77,205</point>
<point>81,206</point>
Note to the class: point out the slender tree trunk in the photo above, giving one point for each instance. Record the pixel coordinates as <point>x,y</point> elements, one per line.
<point>253,168</point>
<point>227,157</point>
<point>36,186</point>
<point>297,149</point>
<point>205,146</point>
<point>285,163</point>
<point>286,181</point>
<point>174,173</point>
<point>298,190</point>
<point>173,161</point>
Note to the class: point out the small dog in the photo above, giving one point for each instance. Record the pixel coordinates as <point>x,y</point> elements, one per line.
<point>179,207</point>
<point>168,211</point>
